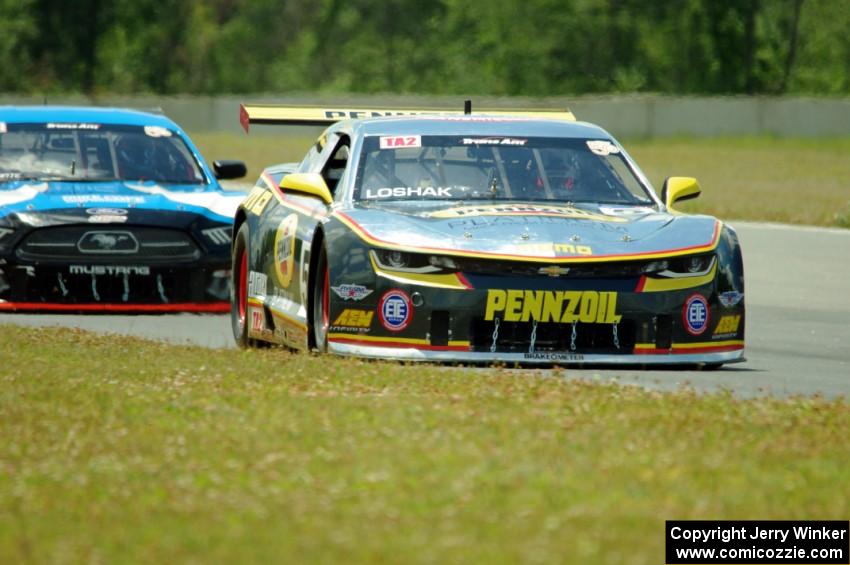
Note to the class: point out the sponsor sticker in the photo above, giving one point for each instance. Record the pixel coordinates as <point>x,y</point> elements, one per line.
<point>257,200</point>
<point>351,291</point>
<point>730,298</point>
<point>72,126</point>
<point>107,219</point>
<point>602,147</point>
<point>562,306</point>
<point>352,318</point>
<point>112,198</point>
<point>257,322</point>
<point>107,211</point>
<point>284,250</point>
<point>396,141</point>
<point>157,131</point>
<point>523,210</point>
<point>395,310</point>
<point>555,249</point>
<point>409,191</point>
<point>494,141</point>
<point>257,284</point>
<point>695,314</point>
<point>727,325</point>
<point>554,356</point>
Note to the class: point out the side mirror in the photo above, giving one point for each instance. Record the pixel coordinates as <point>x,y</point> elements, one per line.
<point>228,169</point>
<point>309,184</point>
<point>676,189</point>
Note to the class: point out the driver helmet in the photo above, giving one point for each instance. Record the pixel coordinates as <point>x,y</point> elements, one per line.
<point>135,156</point>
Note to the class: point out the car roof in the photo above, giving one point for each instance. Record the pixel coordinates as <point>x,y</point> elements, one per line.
<point>86,114</point>
<point>477,125</point>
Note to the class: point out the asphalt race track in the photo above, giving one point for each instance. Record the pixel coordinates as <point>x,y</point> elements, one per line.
<point>798,321</point>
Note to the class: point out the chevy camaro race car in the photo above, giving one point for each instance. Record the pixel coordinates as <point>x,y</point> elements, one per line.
<point>110,210</point>
<point>524,238</point>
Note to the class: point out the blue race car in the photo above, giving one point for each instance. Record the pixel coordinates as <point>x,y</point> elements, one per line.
<point>105,209</point>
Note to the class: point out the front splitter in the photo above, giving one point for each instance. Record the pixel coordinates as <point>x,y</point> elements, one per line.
<point>534,358</point>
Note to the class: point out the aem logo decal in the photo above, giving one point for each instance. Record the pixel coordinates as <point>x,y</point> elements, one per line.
<point>562,306</point>
<point>284,250</point>
<point>354,318</point>
<point>695,314</point>
<point>395,310</point>
<point>727,325</point>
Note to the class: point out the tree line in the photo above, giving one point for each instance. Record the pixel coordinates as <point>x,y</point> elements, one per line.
<point>474,47</point>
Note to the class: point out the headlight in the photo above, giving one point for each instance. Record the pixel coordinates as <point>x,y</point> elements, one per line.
<point>690,266</point>
<point>655,267</point>
<point>412,262</point>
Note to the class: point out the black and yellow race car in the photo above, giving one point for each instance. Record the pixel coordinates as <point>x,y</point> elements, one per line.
<point>525,237</point>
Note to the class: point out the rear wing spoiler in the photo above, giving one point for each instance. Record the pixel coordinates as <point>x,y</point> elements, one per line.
<point>276,114</point>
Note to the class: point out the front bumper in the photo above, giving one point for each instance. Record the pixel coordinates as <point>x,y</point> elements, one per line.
<point>100,287</point>
<point>610,322</point>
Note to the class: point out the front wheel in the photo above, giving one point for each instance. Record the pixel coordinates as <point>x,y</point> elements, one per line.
<point>321,302</point>
<point>239,288</point>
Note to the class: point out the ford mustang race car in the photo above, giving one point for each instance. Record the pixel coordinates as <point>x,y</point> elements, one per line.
<point>110,210</point>
<point>523,238</point>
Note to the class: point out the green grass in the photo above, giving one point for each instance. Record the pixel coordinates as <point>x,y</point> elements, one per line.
<point>114,449</point>
<point>798,181</point>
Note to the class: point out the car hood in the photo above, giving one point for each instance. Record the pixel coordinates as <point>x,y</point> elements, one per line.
<point>63,197</point>
<point>533,231</point>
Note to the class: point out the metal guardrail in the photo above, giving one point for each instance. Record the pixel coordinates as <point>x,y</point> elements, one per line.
<point>627,116</point>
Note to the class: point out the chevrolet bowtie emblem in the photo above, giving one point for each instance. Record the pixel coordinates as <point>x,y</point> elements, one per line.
<point>553,271</point>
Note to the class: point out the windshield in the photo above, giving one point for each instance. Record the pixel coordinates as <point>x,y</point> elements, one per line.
<point>95,152</point>
<point>423,168</point>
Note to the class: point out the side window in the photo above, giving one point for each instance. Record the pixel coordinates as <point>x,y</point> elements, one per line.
<point>311,160</point>
<point>336,164</point>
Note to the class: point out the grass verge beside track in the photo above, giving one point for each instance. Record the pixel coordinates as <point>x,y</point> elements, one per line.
<point>114,449</point>
<point>798,181</point>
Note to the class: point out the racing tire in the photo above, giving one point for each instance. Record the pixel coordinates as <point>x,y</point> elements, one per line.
<point>321,302</point>
<point>239,290</point>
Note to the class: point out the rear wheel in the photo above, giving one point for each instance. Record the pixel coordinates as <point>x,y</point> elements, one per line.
<point>239,288</point>
<point>321,302</point>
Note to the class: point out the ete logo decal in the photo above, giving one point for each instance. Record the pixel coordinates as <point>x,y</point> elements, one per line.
<point>695,314</point>
<point>728,325</point>
<point>395,310</point>
<point>354,318</point>
<point>284,249</point>
<point>351,291</point>
<point>401,141</point>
